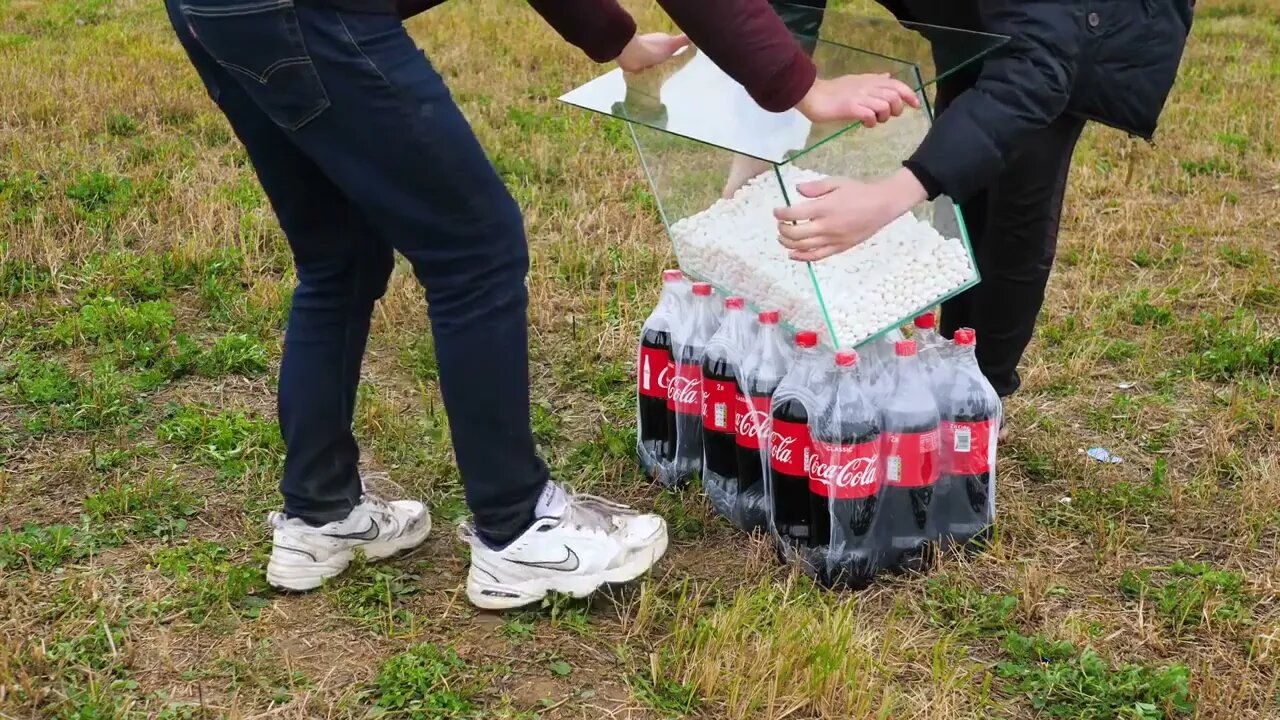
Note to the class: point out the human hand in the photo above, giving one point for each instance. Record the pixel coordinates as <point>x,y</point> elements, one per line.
<point>645,51</point>
<point>743,168</point>
<point>869,99</point>
<point>843,213</point>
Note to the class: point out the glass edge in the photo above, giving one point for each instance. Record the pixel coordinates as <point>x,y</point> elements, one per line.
<point>921,84</point>
<point>632,122</point>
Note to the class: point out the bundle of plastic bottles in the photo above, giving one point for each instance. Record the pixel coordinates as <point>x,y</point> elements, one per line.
<point>855,462</point>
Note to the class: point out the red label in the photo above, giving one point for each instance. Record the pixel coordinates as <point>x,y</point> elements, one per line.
<point>752,419</point>
<point>911,459</point>
<point>719,405</point>
<point>845,472</point>
<point>790,449</point>
<point>654,372</point>
<point>684,394</point>
<point>965,447</point>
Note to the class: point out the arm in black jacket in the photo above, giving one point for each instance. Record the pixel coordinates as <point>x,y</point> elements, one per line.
<point>1023,87</point>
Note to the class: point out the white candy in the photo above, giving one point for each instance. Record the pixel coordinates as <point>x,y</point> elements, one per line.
<point>905,266</point>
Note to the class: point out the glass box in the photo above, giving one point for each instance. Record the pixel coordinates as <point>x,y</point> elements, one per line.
<point>718,165</point>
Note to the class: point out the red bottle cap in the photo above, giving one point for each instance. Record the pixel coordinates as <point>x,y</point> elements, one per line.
<point>905,348</point>
<point>770,317</point>
<point>672,276</point>
<point>702,289</point>
<point>926,321</point>
<point>965,336</point>
<point>806,339</point>
<point>735,303</point>
<point>846,358</point>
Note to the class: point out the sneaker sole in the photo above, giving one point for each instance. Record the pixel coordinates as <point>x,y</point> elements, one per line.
<point>303,575</point>
<point>496,596</point>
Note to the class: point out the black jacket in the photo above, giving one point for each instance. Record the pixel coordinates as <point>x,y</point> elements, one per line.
<point>1112,61</point>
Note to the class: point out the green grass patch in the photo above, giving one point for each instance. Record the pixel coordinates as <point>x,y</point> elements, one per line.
<point>373,594</point>
<point>1063,682</point>
<point>1142,312</point>
<point>1229,348</point>
<point>259,671</point>
<point>43,547</point>
<point>232,441</point>
<point>1240,258</point>
<point>956,604</point>
<point>155,507</point>
<point>137,335</point>
<point>21,277</point>
<point>57,400</point>
<point>22,196</point>
<point>99,199</point>
<point>1140,497</point>
<point>426,682</point>
<point>211,586</point>
<point>235,354</point>
<point>1188,595</point>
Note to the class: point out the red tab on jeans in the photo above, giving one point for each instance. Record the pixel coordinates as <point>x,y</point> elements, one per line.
<point>911,459</point>
<point>752,418</point>
<point>653,373</point>
<point>789,450</point>
<point>845,472</point>
<point>719,405</point>
<point>684,395</point>
<point>965,447</point>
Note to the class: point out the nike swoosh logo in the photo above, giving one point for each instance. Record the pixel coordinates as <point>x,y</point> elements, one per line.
<point>369,533</point>
<point>568,564</point>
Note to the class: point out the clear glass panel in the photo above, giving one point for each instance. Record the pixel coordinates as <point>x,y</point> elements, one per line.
<point>719,165</point>
<point>692,98</point>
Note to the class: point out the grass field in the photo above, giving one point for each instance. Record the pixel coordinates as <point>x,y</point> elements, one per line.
<point>145,284</point>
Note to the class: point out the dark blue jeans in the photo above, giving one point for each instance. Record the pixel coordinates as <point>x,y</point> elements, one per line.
<point>362,151</point>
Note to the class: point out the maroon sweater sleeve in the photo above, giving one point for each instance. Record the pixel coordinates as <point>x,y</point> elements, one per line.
<point>745,38</point>
<point>748,41</point>
<point>600,28</point>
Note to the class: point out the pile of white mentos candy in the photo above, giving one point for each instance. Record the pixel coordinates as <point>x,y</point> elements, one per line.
<point>894,274</point>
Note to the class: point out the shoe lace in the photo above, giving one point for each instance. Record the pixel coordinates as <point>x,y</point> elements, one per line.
<point>590,513</point>
<point>276,520</point>
<point>377,504</point>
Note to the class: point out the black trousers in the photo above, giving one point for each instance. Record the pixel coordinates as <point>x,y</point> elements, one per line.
<point>1013,225</point>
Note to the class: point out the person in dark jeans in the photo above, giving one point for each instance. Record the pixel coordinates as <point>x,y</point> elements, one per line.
<point>363,153</point>
<point>1002,143</point>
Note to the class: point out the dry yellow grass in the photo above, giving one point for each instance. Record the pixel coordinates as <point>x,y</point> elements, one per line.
<point>133,481</point>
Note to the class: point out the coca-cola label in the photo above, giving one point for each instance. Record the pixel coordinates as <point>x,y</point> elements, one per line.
<point>684,394</point>
<point>653,376</point>
<point>752,418</point>
<point>719,405</point>
<point>911,459</point>
<point>790,449</point>
<point>965,447</point>
<point>845,472</point>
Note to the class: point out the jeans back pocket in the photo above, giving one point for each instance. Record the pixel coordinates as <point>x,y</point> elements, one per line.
<point>260,43</point>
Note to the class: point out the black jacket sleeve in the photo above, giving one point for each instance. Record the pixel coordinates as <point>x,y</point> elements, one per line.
<point>1024,86</point>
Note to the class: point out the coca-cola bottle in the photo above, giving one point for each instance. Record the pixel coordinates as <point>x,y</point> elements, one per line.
<point>909,453</point>
<point>928,341</point>
<point>790,444</point>
<point>684,399</point>
<point>970,409</point>
<point>844,480</point>
<point>655,367</point>
<point>876,365</point>
<point>761,372</point>
<point>720,405</point>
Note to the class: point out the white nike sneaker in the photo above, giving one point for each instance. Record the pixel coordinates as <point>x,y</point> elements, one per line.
<point>590,543</point>
<point>303,556</point>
